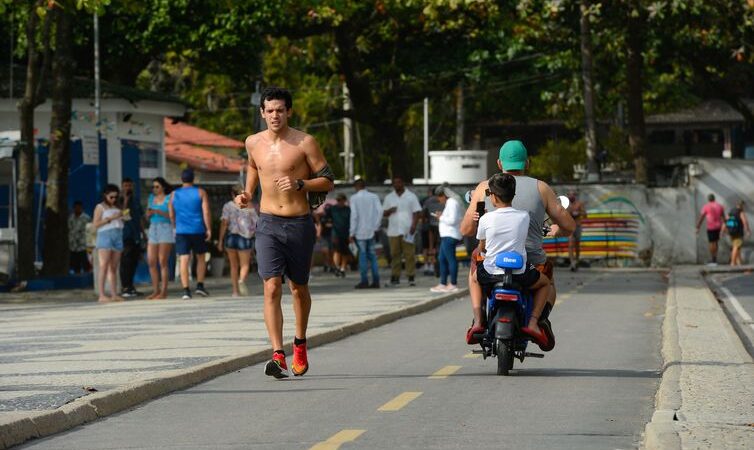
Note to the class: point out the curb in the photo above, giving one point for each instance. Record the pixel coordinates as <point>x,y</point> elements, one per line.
<point>660,432</point>
<point>22,427</point>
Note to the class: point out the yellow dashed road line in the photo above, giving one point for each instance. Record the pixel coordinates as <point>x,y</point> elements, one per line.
<point>399,401</point>
<point>444,372</point>
<point>338,439</point>
<point>561,298</point>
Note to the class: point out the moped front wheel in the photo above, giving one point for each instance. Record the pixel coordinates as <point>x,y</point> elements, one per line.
<point>504,351</point>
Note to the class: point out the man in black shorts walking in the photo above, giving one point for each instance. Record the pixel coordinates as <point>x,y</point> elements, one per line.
<point>293,175</point>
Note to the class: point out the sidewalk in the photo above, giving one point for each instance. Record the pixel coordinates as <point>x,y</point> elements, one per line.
<point>706,397</point>
<point>66,360</point>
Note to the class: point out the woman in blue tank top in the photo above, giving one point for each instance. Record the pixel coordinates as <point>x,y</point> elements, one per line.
<point>160,237</point>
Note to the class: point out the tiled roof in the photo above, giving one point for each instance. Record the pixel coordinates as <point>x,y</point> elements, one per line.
<point>709,111</point>
<point>191,145</point>
<point>201,159</point>
<point>180,132</point>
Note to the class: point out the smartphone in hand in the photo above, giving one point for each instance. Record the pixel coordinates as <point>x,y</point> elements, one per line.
<point>480,208</point>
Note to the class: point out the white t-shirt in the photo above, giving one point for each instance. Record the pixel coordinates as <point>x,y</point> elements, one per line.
<point>450,220</point>
<point>399,222</point>
<point>503,230</point>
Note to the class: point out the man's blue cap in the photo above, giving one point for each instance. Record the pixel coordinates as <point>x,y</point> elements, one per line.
<point>513,156</point>
<point>187,176</point>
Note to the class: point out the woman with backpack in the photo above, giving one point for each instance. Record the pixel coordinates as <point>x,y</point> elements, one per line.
<point>737,225</point>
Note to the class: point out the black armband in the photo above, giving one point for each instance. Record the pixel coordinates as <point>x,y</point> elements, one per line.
<point>317,198</point>
<point>325,172</point>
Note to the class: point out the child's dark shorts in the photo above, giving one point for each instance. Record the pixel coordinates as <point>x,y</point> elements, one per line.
<point>487,281</point>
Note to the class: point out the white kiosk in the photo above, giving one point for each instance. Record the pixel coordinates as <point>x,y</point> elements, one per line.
<point>8,237</point>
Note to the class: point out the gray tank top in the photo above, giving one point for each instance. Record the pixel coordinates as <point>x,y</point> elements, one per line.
<point>528,199</point>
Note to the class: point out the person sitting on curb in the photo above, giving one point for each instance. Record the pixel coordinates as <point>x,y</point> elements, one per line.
<point>505,230</point>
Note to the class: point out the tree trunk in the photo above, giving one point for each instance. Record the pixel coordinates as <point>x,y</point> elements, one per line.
<point>590,131</point>
<point>56,250</point>
<point>389,136</point>
<point>634,67</point>
<point>26,150</point>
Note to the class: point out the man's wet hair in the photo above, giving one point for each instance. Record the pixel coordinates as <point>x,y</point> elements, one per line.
<point>503,185</point>
<point>711,197</point>
<point>277,93</point>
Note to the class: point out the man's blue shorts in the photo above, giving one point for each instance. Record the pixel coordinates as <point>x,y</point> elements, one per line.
<point>187,243</point>
<point>284,246</point>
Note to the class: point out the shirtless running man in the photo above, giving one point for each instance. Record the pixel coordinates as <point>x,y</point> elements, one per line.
<point>287,164</point>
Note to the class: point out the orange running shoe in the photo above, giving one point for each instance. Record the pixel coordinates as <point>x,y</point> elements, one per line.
<point>300,363</point>
<point>276,367</point>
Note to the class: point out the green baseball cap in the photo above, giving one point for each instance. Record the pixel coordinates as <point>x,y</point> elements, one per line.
<point>513,155</point>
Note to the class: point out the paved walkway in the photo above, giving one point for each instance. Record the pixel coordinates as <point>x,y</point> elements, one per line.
<point>52,353</point>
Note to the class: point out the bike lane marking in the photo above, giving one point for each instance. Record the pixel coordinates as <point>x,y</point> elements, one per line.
<point>444,372</point>
<point>574,291</point>
<point>400,401</point>
<point>335,441</point>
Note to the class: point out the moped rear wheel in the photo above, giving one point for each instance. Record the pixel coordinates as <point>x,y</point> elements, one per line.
<point>504,351</point>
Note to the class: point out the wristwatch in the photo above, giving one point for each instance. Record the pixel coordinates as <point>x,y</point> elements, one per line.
<point>299,184</point>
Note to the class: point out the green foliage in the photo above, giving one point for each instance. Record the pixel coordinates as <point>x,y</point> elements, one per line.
<point>555,160</point>
<point>617,148</point>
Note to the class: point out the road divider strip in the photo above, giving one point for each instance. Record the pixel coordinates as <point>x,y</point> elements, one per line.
<point>335,441</point>
<point>444,372</point>
<point>400,401</point>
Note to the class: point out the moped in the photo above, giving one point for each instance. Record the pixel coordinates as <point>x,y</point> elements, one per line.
<point>508,309</point>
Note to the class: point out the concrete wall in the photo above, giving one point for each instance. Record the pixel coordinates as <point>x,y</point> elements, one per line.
<point>666,219</point>
<point>730,180</point>
<point>667,215</point>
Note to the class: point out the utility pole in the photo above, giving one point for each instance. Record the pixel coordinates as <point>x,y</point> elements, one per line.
<point>459,117</point>
<point>256,101</point>
<point>347,136</point>
<point>590,135</point>
<point>426,140</point>
<point>10,59</point>
<point>97,94</point>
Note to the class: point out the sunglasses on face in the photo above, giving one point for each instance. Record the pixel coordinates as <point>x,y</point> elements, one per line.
<point>156,186</point>
<point>112,197</point>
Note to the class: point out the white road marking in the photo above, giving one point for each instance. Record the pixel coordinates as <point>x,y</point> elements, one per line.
<point>737,305</point>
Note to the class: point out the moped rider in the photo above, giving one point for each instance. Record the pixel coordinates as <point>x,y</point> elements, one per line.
<point>505,230</point>
<point>537,198</point>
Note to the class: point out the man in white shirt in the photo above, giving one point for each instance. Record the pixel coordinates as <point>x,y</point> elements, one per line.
<point>402,209</point>
<point>366,217</point>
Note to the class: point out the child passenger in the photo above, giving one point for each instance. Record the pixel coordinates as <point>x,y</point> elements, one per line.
<point>505,230</point>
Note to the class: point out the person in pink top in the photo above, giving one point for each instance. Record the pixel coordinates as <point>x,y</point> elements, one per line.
<point>715,215</point>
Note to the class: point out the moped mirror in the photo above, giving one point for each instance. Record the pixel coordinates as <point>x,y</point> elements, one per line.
<point>564,201</point>
<point>467,196</point>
